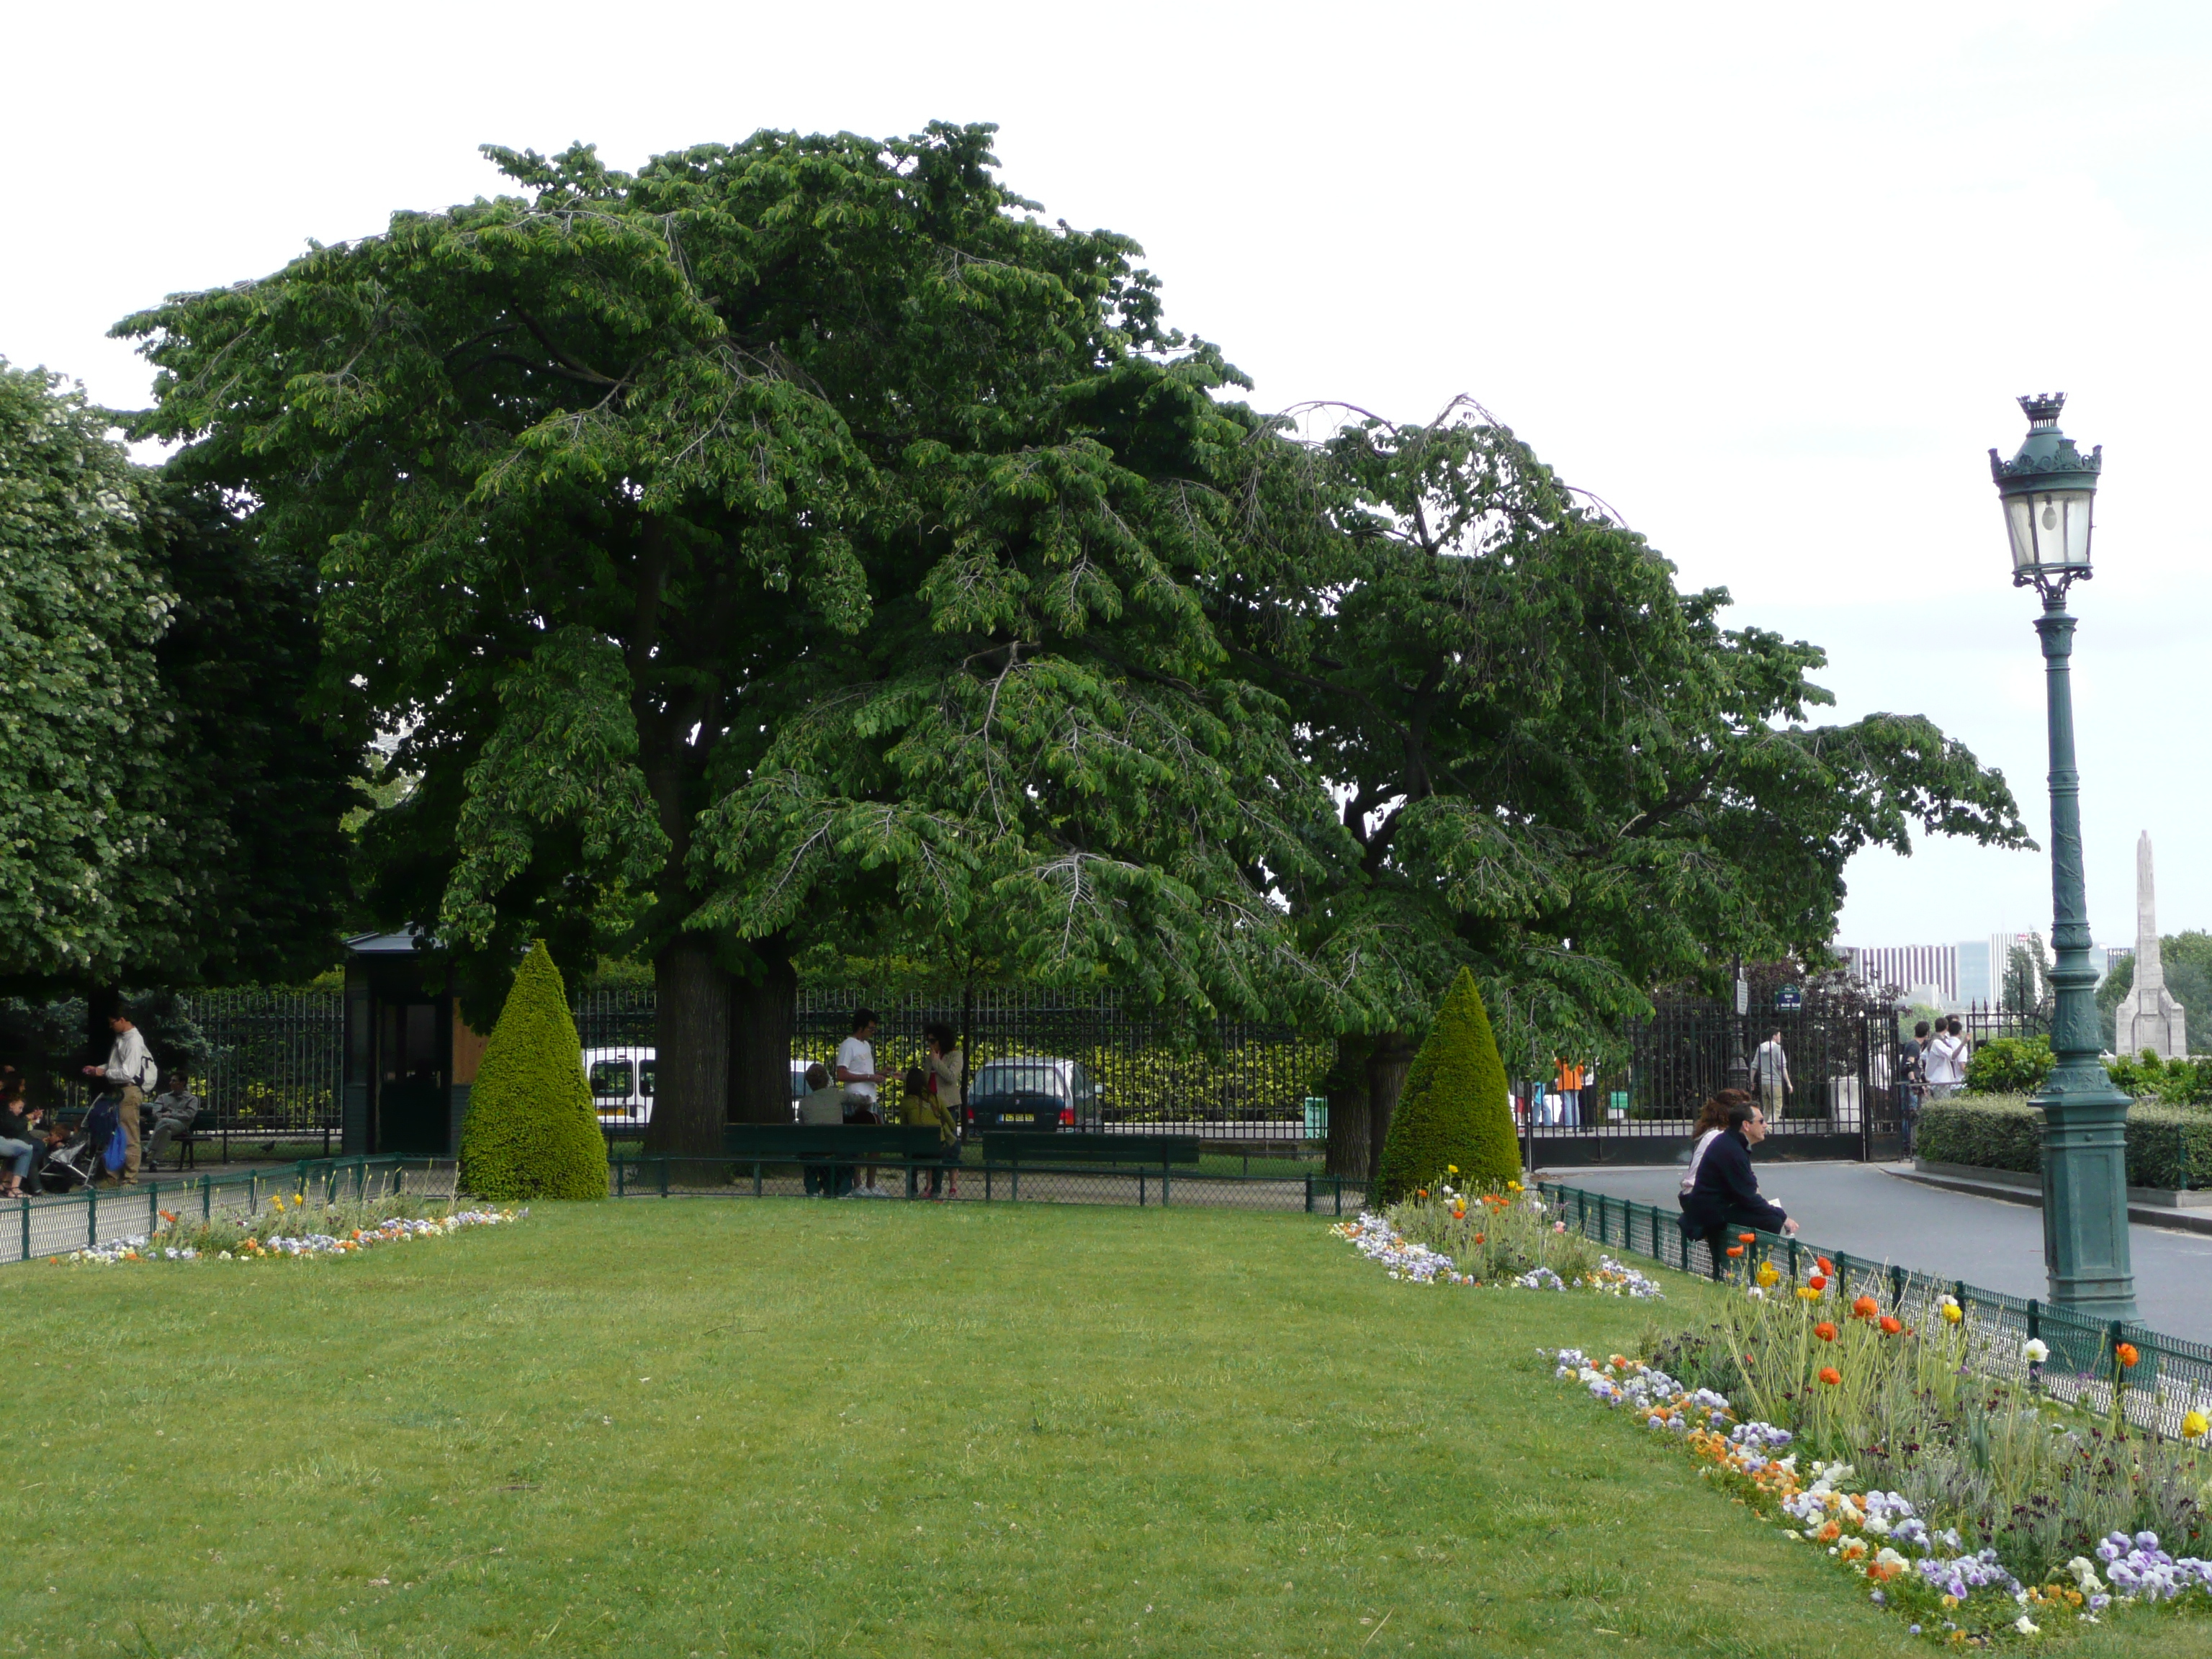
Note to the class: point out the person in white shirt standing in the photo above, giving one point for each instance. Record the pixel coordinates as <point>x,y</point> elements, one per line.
<point>856,1070</point>
<point>1945,1062</point>
<point>1770,1067</point>
<point>131,1070</point>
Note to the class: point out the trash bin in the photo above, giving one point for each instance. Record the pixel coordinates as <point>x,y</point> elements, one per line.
<point>1317,1117</point>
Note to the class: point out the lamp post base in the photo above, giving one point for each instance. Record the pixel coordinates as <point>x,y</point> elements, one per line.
<point>2084,1191</point>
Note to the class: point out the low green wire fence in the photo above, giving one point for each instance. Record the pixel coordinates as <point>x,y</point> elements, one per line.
<point>2156,1379</point>
<point>59,1224</point>
<point>653,1176</point>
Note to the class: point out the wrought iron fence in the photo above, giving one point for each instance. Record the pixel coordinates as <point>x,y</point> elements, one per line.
<point>273,1065</point>
<point>2168,1379</point>
<point>1840,1097</point>
<point>649,1175</point>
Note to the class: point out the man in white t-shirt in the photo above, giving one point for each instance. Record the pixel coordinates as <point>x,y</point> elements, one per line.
<point>1945,1062</point>
<point>856,1071</point>
<point>856,1060</point>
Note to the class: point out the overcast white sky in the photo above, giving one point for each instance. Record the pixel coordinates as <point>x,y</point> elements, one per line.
<point>1765,279</point>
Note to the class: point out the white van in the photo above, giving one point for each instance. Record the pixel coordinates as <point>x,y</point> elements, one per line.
<point>621,1081</point>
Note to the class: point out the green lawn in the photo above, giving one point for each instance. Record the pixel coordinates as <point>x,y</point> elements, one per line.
<point>733,1427</point>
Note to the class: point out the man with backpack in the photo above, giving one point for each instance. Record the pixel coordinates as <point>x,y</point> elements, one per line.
<point>130,1071</point>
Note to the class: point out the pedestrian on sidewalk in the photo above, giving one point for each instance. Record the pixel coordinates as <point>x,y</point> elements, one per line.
<point>129,1073</point>
<point>1770,1068</point>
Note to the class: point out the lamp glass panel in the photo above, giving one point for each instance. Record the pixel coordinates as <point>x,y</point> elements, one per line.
<point>2075,506</point>
<point>2019,523</point>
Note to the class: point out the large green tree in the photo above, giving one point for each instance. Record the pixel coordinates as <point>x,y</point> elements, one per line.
<point>171,813</point>
<point>791,538</point>
<point>1558,769</point>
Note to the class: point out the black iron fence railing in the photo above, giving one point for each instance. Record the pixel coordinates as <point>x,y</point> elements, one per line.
<point>650,1176</point>
<point>2168,1378</point>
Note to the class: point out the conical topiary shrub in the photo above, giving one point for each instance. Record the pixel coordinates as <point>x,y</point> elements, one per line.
<point>1454,1109</point>
<point>531,1131</point>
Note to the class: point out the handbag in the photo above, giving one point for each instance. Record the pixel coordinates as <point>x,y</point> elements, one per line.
<point>118,1151</point>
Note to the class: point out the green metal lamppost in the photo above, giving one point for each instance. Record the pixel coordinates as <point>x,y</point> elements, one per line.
<point>2047,489</point>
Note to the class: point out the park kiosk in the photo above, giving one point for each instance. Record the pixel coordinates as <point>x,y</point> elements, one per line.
<point>409,1057</point>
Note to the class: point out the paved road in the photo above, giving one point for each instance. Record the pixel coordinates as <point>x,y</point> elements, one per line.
<point>1863,1209</point>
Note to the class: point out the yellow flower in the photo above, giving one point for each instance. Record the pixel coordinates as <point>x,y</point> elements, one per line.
<point>1806,1293</point>
<point>2195,1424</point>
<point>1512,1186</point>
<point>1769,1273</point>
<point>1451,1168</point>
<point>1952,1314</point>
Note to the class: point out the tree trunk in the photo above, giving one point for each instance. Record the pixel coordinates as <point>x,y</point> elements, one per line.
<point>763,1018</point>
<point>692,1080</point>
<point>1345,1085</point>
<point>1387,1062</point>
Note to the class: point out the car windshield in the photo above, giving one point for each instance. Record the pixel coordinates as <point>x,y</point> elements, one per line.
<point>611,1078</point>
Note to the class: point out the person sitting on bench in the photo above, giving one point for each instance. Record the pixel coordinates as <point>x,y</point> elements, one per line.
<point>174,1109</point>
<point>822,1105</point>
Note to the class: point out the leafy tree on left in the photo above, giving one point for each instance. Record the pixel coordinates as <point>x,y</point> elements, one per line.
<point>171,812</point>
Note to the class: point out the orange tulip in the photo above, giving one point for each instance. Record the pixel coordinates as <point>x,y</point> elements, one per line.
<point>1890,1326</point>
<point>1831,1376</point>
<point>2126,1354</point>
<point>1825,1331</point>
<point>1865,1308</point>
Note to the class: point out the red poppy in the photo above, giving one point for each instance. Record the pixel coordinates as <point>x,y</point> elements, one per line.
<point>1746,1238</point>
<point>1831,1376</point>
<point>1826,1265</point>
<point>1865,1308</point>
<point>1819,1281</point>
<point>1890,1326</point>
<point>1735,1249</point>
<point>1825,1331</point>
<point>2126,1354</point>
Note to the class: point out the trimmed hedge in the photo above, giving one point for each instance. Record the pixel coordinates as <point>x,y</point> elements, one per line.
<point>531,1131</point>
<point>2169,1147</point>
<point>1455,1107</point>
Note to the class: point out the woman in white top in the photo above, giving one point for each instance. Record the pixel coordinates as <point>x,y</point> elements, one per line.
<point>1713,1120</point>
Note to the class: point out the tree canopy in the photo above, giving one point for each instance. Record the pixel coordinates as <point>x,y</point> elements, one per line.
<point>171,816</point>
<point>789,535</point>
<point>798,539</point>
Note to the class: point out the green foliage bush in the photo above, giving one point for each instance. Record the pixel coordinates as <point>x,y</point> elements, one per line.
<point>531,1131</point>
<point>2009,1066</point>
<point>2169,1147</point>
<point>1454,1109</point>
<point>2177,1083</point>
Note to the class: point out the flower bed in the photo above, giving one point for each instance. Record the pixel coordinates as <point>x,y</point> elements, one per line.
<point>1981,1508</point>
<point>268,1236</point>
<point>1509,1238</point>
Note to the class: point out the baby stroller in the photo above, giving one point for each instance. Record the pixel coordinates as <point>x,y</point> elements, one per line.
<point>76,1161</point>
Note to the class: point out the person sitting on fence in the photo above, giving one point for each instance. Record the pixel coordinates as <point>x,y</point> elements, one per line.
<point>174,1109</point>
<point>21,1143</point>
<point>918,1105</point>
<point>1711,1122</point>
<point>1725,1198</point>
<point>822,1105</point>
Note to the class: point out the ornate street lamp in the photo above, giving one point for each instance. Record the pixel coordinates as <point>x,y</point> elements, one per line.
<point>2048,490</point>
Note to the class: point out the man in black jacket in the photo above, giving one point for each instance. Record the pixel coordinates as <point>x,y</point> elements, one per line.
<point>1725,1198</point>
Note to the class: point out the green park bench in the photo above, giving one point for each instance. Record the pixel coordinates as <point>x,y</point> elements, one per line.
<point>760,1144</point>
<point>1017,1146</point>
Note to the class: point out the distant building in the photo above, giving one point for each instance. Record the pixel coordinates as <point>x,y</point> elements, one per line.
<point>1905,967</point>
<point>1977,983</point>
<point>2110,957</point>
<point>2001,947</point>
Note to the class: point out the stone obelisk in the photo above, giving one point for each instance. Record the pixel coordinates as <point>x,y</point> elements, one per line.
<point>2147,1017</point>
